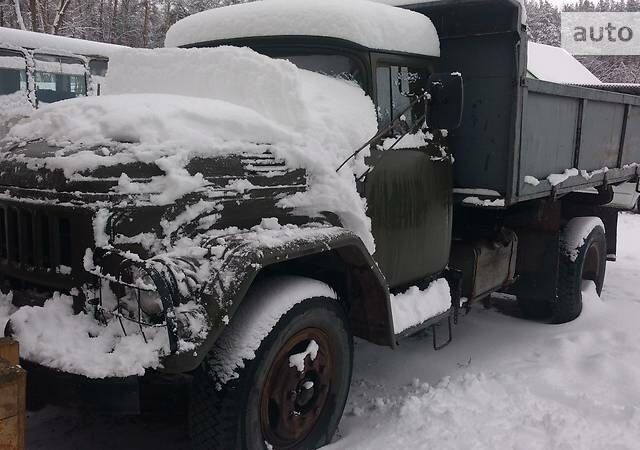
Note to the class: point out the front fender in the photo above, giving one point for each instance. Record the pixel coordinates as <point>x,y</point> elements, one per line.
<point>235,260</point>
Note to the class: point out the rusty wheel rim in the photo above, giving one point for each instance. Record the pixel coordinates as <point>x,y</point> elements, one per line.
<point>293,400</point>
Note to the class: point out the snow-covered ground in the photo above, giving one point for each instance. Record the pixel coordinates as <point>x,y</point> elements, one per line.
<point>504,383</point>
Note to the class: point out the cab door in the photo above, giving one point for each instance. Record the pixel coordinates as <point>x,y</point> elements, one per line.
<point>409,188</point>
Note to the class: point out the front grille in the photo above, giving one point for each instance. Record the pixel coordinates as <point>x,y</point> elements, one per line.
<point>38,238</point>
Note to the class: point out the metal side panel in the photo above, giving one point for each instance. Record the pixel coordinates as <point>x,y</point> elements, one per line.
<point>601,135</point>
<point>549,135</point>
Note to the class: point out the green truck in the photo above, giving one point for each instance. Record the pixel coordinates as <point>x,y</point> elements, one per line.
<point>509,195</point>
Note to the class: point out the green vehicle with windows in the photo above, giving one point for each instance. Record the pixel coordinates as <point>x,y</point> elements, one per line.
<point>509,195</point>
<point>29,79</point>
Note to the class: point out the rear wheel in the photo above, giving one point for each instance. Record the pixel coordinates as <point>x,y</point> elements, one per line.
<point>534,308</point>
<point>291,395</point>
<point>580,263</point>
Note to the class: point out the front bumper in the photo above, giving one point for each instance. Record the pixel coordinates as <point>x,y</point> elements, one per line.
<point>153,392</point>
<point>47,386</point>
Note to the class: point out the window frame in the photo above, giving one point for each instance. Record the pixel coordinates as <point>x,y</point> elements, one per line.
<point>62,59</point>
<point>378,59</point>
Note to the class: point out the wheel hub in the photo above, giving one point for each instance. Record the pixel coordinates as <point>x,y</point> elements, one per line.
<point>295,394</point>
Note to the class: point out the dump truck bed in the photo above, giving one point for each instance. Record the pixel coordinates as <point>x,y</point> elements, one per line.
<point>595,132</point>
<point>523,138</point>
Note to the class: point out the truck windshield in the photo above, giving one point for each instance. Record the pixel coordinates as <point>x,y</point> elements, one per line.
<point>59,78</point>
<point>339,66</point>
<point>13,73</point>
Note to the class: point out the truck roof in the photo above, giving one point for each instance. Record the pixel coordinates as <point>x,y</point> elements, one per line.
<point>32,40</point>
<point>370,24</point>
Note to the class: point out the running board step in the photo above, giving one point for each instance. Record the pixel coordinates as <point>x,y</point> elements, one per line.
<point>446,318</point>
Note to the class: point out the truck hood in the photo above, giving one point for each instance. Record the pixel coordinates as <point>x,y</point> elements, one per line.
<point>115,170</point>
<point>104,144</point>
<point>38,165</point>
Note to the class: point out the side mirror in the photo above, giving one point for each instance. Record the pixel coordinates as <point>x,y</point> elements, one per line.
<point>444,108</point>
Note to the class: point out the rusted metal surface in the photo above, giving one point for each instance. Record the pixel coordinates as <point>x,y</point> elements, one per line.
<point>292,400</point>
<point>12,397</point>
<point>486,265</point>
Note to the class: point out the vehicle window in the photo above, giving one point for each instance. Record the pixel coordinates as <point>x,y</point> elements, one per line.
<point>396,88</point>
<point>98,67</point>
<point>13,75</point>
<point>339,66</point>
<point>59,78</point>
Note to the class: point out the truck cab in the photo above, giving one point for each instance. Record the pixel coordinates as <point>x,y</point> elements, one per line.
<point>408,191</point>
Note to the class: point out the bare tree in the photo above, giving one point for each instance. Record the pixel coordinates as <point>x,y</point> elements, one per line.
<point>57,21</point>
<point>33,7</point>
<point>16,5</point>
<point>114,17</point>
<point>145,27</point>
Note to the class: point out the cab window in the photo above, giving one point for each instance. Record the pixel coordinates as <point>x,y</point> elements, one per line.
<point>397,87</point>
<point>59,78</point>
<point>13,75</point>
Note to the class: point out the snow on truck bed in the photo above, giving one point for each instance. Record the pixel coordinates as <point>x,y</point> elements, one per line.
<point>555,64</point>
<point>370,24</point>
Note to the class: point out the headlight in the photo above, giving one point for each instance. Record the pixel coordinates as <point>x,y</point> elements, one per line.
<point>140,290</point>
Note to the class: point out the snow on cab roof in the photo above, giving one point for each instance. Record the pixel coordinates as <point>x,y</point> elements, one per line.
<point>373,25</point>
<point>555,64</point>
<point>32,40</point>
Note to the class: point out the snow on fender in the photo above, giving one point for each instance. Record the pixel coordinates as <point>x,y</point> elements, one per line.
<point>575,234</point>
<point>251,325</point>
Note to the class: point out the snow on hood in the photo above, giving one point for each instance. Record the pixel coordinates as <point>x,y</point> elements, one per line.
<point>176,104</point>
<point>370,24</point>
<point>160,121</point>
<point>16,104</point>
<point>240,76</point>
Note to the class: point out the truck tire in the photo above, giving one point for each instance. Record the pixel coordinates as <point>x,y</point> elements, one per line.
<point>270,402</point>
<point>533,308</point>
<point>586,262</point>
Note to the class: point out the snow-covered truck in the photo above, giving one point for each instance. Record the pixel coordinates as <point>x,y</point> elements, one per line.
<point>305,173</point>
<point>96,53</point>
<point>39,68</point>
<point>29,78</point>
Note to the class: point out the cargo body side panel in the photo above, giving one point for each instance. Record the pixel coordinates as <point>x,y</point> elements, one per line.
<point>514,126</point>
<point>571,127</point>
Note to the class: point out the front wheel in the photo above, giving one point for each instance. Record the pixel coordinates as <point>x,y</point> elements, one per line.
<point>292,392</point>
